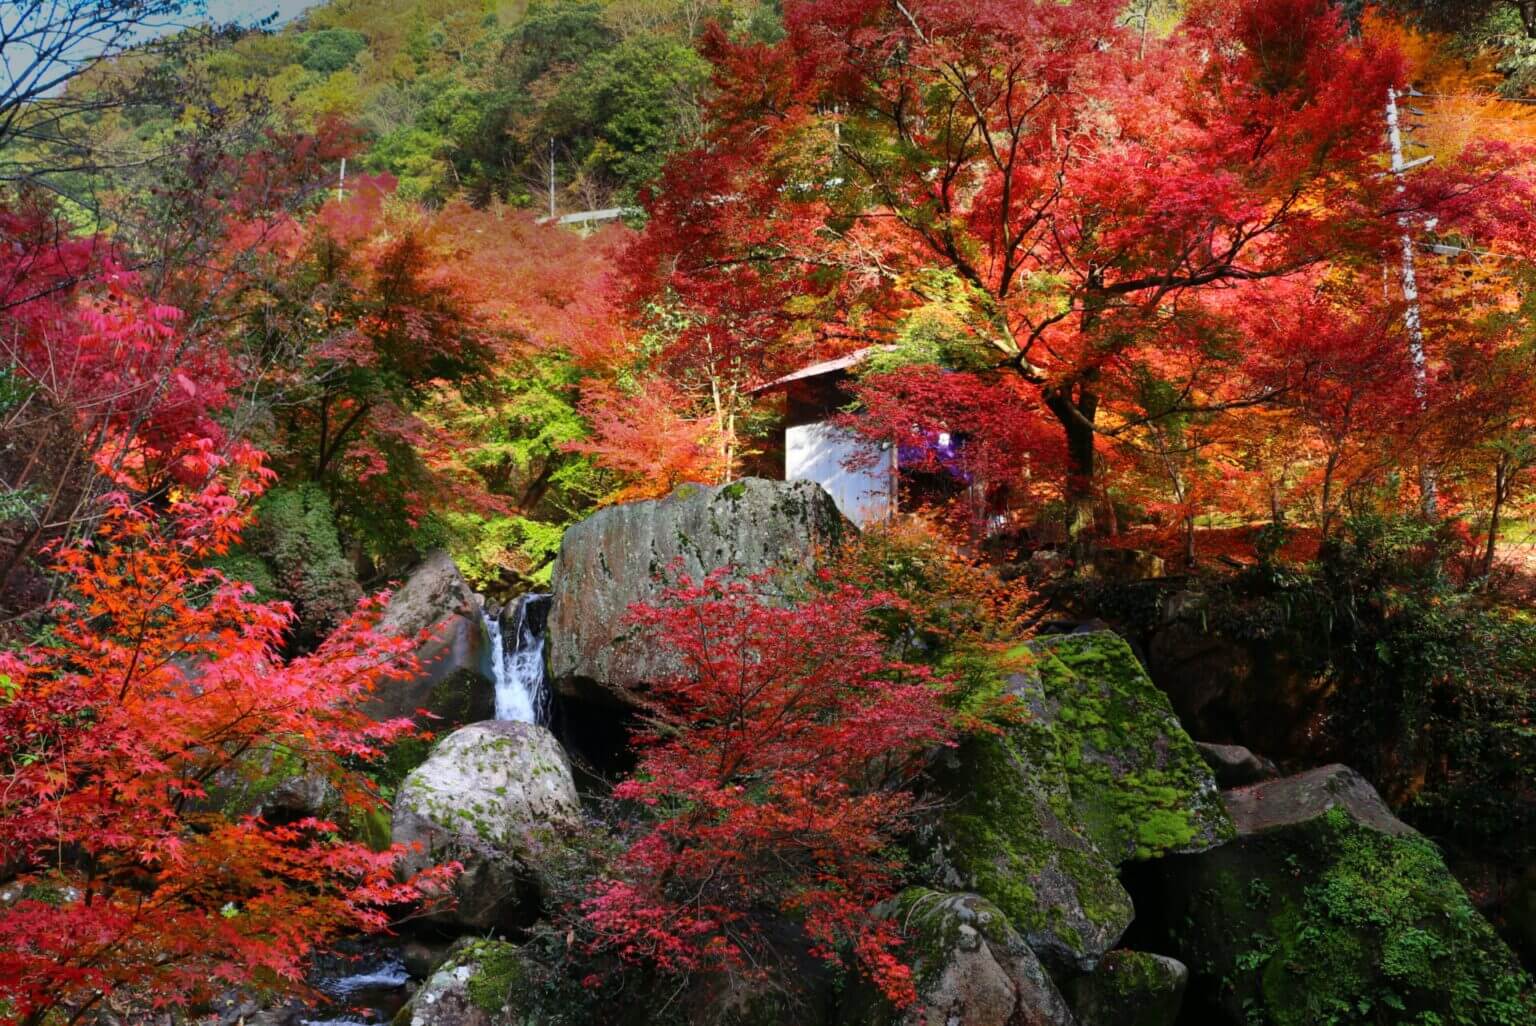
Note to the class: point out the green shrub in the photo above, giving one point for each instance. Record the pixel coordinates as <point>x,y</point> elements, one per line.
<point>296,533</point>
<point>326,51</point>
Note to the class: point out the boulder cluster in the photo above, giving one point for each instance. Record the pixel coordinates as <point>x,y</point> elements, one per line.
<point>1091,864</point>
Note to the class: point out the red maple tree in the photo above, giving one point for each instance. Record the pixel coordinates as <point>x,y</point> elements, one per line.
<point>775,770</point>
<point>137,883</point>
<point>1091,188</point>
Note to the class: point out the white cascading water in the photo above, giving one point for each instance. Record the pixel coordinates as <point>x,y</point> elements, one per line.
<point>517,656</point>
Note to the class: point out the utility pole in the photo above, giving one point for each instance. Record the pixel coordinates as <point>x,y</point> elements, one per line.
<point>1412,318</point>
<point>341,180</point>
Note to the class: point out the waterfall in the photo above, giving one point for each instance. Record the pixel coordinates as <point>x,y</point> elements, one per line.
<point>517,656</point>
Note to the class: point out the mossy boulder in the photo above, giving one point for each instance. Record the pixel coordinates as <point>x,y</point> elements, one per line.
<point>970,966</point>
<point>613,559</point>
<point>496,797</point>
<point>1129,988</point>
<point>1328,911</point>
<point>482,983</point>
<point>276,783</point>
<point>1140,787</point>
<point>1098,773</point>
<point>1009,832</point>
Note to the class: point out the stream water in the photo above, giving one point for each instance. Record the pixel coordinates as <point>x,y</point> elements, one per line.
<point>366,983</point>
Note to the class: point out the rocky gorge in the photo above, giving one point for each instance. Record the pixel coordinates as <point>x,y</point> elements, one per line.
<point>1090,864</point>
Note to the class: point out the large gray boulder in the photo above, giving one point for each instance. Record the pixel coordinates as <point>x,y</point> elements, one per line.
<point>1327,908</point>
<point>456,682</point>
<point>971,968</point>
<point>495,797</point>
<point>613,559</point>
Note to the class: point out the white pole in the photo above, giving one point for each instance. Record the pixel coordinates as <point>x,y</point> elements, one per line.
<point>1412,319</point>
<point>551,178</point>
<point>341,180</point>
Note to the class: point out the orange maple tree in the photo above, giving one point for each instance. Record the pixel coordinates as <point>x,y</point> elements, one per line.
<point>138,881</point>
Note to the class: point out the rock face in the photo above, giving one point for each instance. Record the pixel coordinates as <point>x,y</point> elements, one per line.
<point>1326,908</point>
<point>274,783</point>
<point>1038,819</point>
<point>1129,988</point>
<point>1301,799</point>
<point>456,681</point>
<point>1236,766</point>
<point>493,796</point>
<point>1251,692</point>
<point>481,984</point>
<point>971,968</point>
<point>610,561</point>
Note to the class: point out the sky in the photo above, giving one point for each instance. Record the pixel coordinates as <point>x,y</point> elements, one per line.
<point>20,70</point>
<point>253,10</point>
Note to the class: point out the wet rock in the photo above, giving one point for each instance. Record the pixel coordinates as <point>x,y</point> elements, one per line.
<point>1236,766</point>
<point>496,797</point>
<point>612,559</point>
<point>1327,908</point>
<point>1129,988</point>
<point>456,682</point>
<point>422,958</point>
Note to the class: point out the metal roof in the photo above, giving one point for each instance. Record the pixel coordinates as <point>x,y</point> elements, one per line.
<point>816,370</point>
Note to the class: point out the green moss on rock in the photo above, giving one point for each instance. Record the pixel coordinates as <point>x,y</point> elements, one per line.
<point>500,978</point>
<point>1139,785</point>
<point>1010,833</point>
<point>932,923</point>
<point>1330,922</point>
<point>1129,988</point>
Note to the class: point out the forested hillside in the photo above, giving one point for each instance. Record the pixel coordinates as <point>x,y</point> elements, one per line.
<point>822,512</point>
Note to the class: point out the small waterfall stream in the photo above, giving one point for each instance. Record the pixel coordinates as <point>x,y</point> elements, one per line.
<point>517,656</point>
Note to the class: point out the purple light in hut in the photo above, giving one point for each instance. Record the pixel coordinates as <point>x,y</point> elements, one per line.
<point>938,450</point>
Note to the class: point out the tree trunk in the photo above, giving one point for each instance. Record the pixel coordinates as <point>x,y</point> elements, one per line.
<point>1327,499</point>
<point>1076,415</point>
<point>1528,17</point>
<point>1500,487</point>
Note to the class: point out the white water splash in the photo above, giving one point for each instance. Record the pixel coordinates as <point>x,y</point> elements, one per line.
<point>517,656</point>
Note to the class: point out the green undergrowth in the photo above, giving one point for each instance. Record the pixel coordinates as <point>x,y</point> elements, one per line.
<point>1376,932</point>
